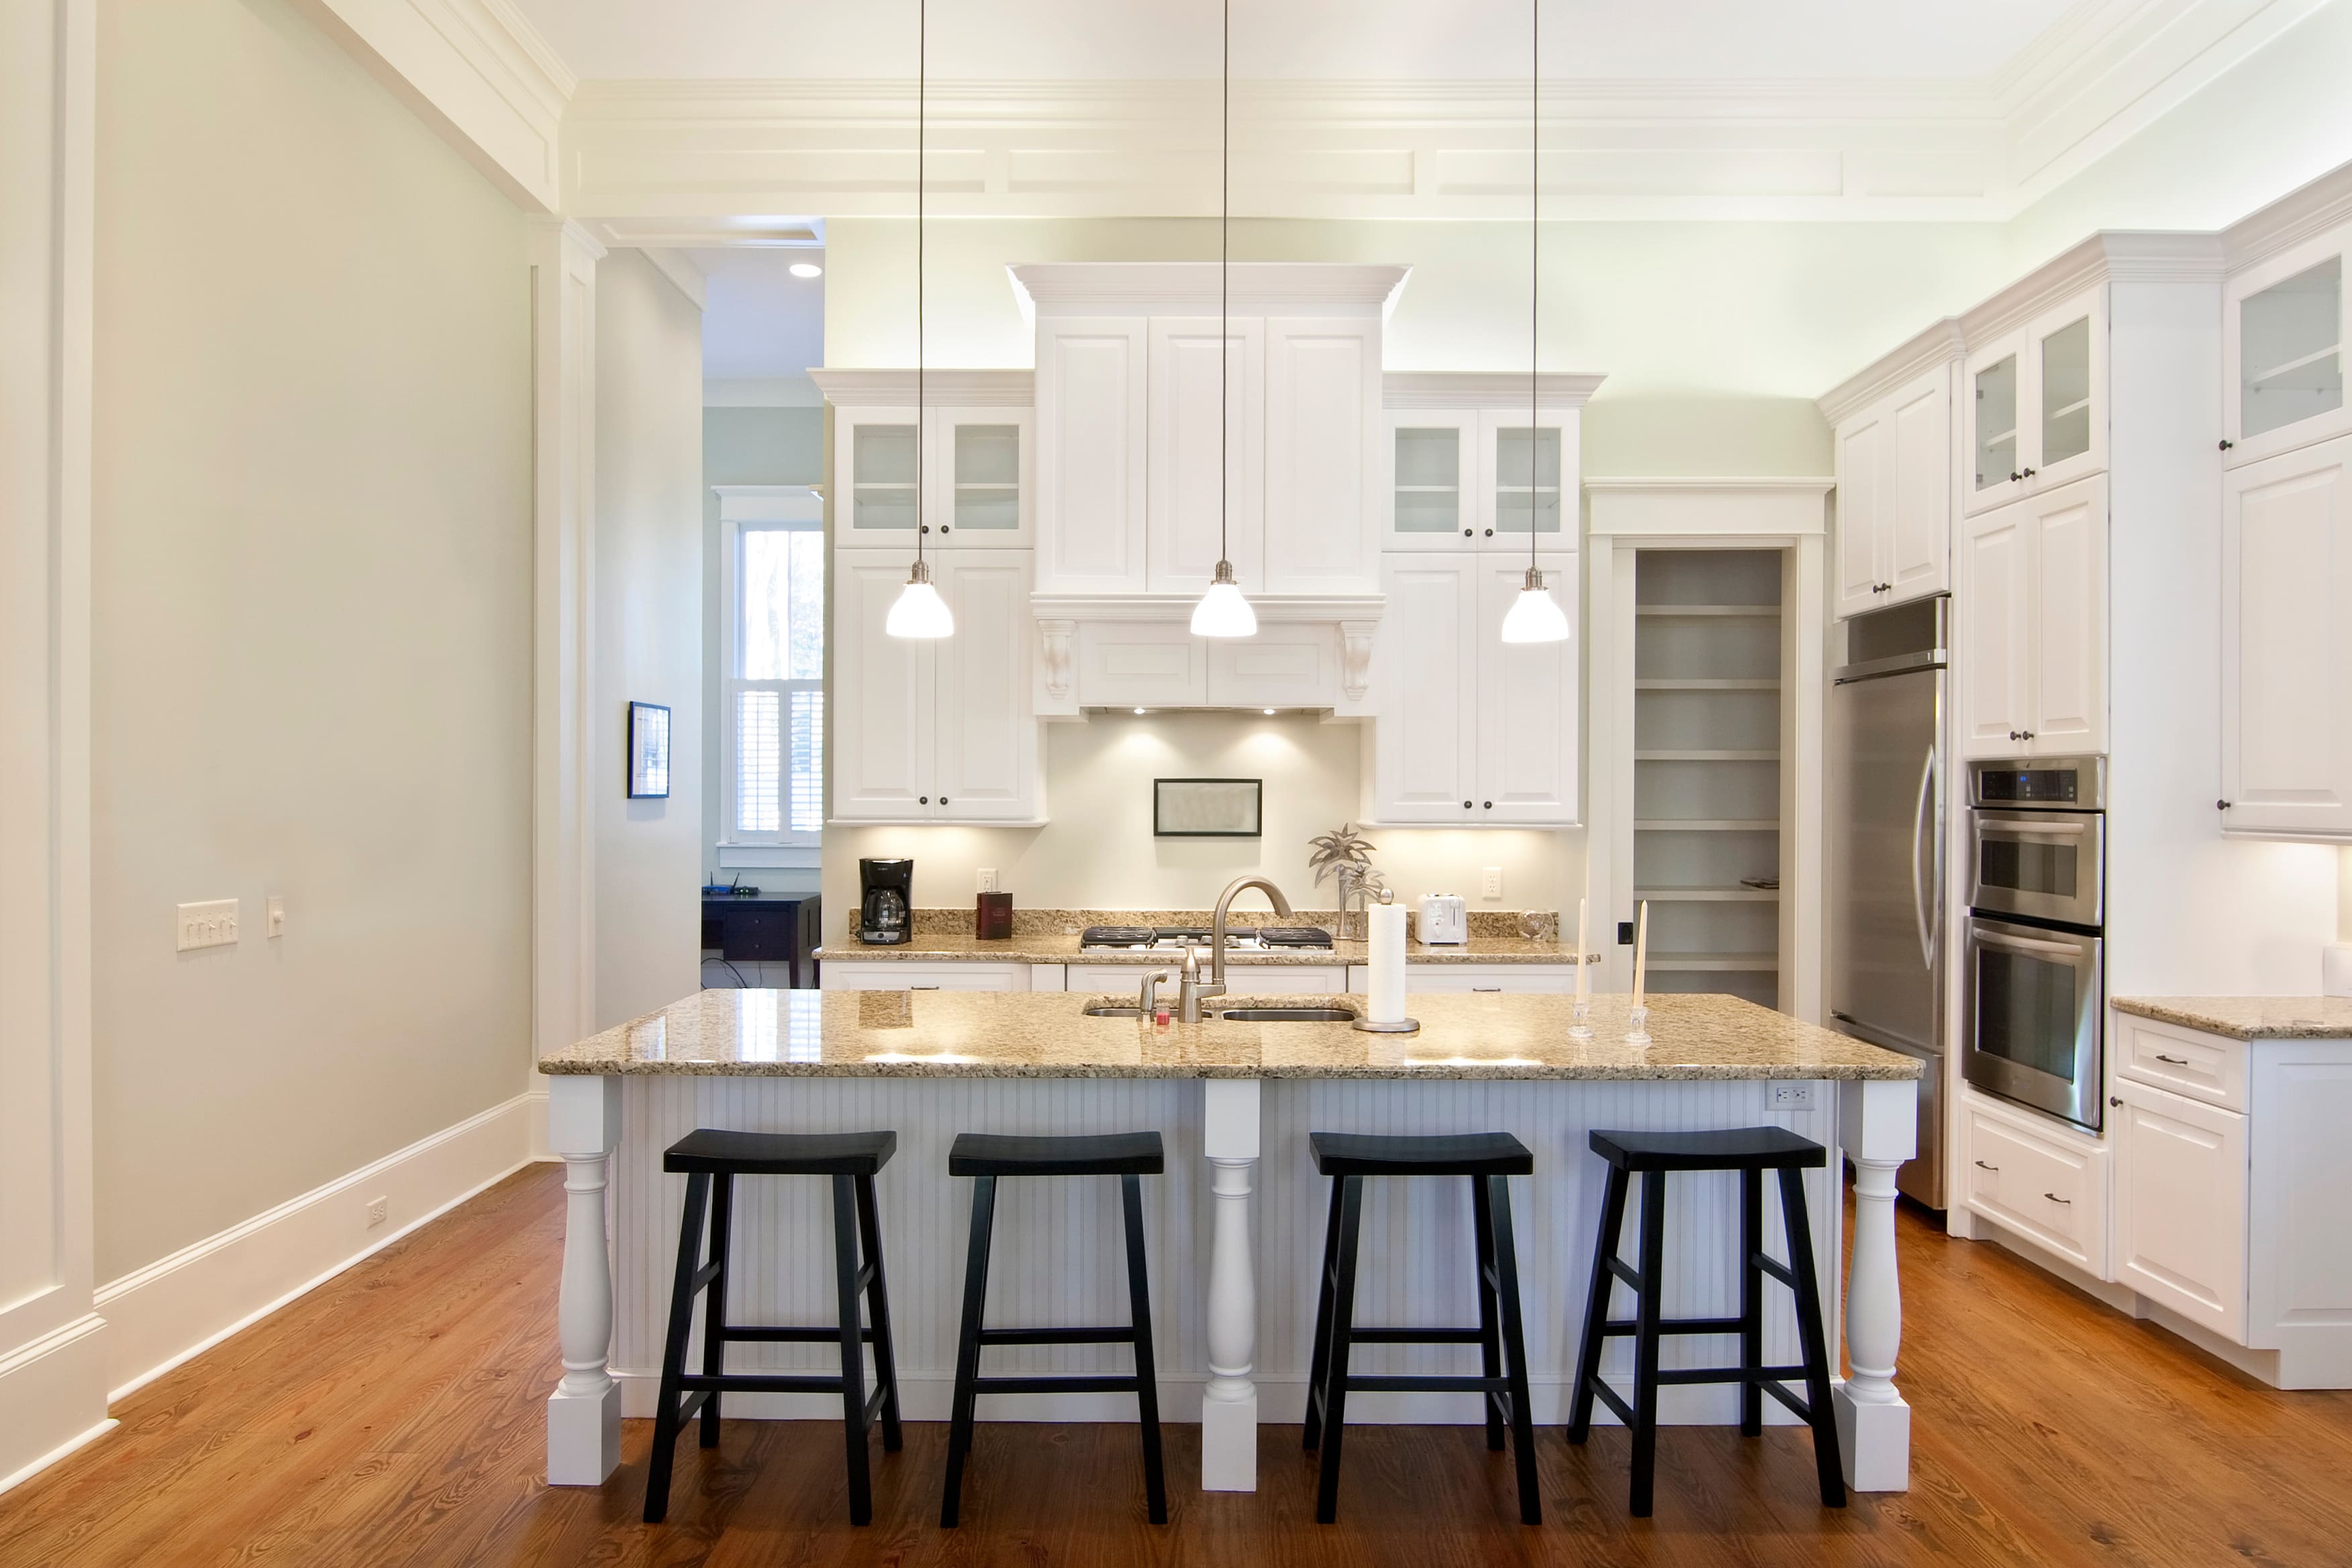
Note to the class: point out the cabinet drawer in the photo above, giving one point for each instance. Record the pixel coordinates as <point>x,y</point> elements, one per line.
<point>884,975</point>
<point>1241,979</point>
<point>2039,1184</point>
<point>1517,979</point>
<point>2201,1067</point>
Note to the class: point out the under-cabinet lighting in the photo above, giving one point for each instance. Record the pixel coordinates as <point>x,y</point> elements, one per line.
<point>1139,712</point>
<point>806,270</point>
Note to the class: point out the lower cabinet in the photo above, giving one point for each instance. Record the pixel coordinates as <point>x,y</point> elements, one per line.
<point>1241,979</point>
<point>2181,1204</point>
<point>885,974</point>
<point>1522,979</point>
<point>2046,1184</point>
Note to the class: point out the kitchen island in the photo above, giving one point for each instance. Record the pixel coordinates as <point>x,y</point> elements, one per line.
<point>1236,1223</point>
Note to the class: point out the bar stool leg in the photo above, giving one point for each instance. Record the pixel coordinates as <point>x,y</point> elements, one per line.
<point>1827,1462</point>
<point>853,1350</point>
<point>681,1323</point>
<point>1651,1297</point>
<point>1505,1249</point>
<point>1343,1318</point>
<point>1320,1362</point>
<point>1751,1299</point>
<point>975,1294</point>
<point>878,1297</point>
<point>714,1305</point>
<point>1146,1374</point>
<point>1490,1333</point>
<point>1596,1309</point>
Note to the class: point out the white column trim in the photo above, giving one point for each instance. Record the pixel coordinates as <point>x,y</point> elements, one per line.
<point>583,1414</point>
<point>1230,1139</point>
<point>1878,1127</point>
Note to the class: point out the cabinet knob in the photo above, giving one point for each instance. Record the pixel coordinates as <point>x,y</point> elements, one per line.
<point>1468,534</point>
<point>2112,1100</point>
<point>945,527</point>
<point>922,800</point>
<point>2025,734</point>
<point>1490,805</point>
<point>2029,473</point>
<point>2227,445</point>
<point>943,800</point>
<point>2014,735</point>
<point>2220,805</point>
<point>2014,476</point>
<point>926,528</point>
<point>1490,533</point>
<point>1466,805</point>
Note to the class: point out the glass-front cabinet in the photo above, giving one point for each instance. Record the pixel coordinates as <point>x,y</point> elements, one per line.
<point>2282,331</point>
<point>1479,478</point>
<point>974,476</point>
<point>2036,406</point>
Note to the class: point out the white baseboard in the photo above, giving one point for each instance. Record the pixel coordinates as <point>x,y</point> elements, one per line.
<point>176,1307</point>
<point>49,1403</point>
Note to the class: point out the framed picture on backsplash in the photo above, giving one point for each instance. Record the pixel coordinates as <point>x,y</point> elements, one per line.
<point>1208,808</point>
<point>648,752</point>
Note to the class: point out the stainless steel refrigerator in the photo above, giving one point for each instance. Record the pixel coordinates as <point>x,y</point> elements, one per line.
<point>1886,792</point>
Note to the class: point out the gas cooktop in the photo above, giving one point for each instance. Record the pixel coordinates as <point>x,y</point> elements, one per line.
<point>1174,938</point>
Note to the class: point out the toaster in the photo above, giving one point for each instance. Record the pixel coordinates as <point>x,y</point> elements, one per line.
<point>1444,921</point>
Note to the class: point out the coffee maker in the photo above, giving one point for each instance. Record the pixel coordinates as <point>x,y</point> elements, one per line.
<point>885,902</point>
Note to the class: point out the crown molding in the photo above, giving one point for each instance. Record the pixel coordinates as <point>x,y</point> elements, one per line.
<point>1941,344</point>
<point>1094,288</point>
<point>2131,258</point>
<point>680,269</point>
<point>893,388</point>
<point>1486,389</point>
<point>2304,214</point>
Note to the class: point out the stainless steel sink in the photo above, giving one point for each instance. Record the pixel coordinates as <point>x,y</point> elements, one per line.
<point>1288,1016</point>
<point>1111,1010</point>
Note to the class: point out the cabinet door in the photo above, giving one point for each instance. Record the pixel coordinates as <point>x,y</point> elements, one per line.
<point>1527,772</point>
<point>1863,458</point>
<point>1994,425</point>
<point>1434,478</point>
<point>1091,402</point>
<point>1183,536</point>
<point>1991,658</point>
<point>2063,420</point>
<point>1914,550</point>
<point>2286,643</point>
<point>986,734</point>
<point>1323,430</point>
<point>878,451</point>
<point>2180,1206</point>
<point>2282,351</point>
<point>1424,730</point>
<point>986,479</point>
<point>883,759</point>
<point>1529,475</point>
<point>2066,632</point>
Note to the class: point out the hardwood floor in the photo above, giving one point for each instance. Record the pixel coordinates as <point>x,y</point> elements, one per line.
<point>394,1416</point>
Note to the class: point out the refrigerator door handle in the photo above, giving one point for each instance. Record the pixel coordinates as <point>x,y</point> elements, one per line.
<point>1921,821</point>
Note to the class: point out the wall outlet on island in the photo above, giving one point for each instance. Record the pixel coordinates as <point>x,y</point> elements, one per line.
<point>1792,1096</point>
<point>1490,882</point>
<point>378,1211</point>
<point>989,882</point>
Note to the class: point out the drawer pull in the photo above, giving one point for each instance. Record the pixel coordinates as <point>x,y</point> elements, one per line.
<point>922,988</point>
<point>2054,1198</point>
<point>1983,1166</point>
<point>1485,988</point>
<point>2175,1061</point>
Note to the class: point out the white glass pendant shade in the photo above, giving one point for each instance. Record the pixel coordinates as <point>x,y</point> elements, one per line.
<point>1535,616</point>
<point>919,611</point>
<point>1222,612</point>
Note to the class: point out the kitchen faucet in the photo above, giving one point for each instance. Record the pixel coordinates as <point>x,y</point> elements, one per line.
<point>1193,987</point>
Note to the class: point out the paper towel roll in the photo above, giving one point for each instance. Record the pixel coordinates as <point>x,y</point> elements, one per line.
<point>1384,939</point>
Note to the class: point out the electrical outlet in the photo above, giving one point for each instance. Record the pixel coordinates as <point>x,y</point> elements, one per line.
<point>379,1211</point>
<point>1792,1096</point>
<point>989,882</point>
<point>1490,882</point>
<point>275,918</point>
<point>212,923</point>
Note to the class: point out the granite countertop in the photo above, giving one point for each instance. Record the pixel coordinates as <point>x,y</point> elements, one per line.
<point>2249,1017</point>
<point>1046,947</point>
<point>1041,1034</point>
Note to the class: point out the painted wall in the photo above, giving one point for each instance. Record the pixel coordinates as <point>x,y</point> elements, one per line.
<point>311,657</point>
<point>1098,848</point>
<point>648,632</point>
<point>743,446</point>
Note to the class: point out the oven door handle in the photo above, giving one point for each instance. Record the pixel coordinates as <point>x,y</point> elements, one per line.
<point>2008,828</point>
<point>1921,822</point>
<point>2028,945</point>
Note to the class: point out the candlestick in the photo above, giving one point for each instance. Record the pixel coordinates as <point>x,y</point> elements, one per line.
<point>1637,1025</point>
<point>1583,940</point>
<point>1641,952</point>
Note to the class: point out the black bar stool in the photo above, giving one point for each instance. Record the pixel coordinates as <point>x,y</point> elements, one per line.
<point>1750,1150</point>
<point>712,1160</point>
<point>1487,1159</point>
<point>984,1156</point>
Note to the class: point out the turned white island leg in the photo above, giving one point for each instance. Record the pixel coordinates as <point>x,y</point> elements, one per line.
<point>1229,1403</point>
<point>583,1414</point>
<point>1878,1125</point>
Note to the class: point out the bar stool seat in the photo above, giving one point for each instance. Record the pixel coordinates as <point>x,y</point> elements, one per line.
<point>711,1159</point>
<point>1750,1152</point>
<point>1486,1158</point>
<point>987,1158</point>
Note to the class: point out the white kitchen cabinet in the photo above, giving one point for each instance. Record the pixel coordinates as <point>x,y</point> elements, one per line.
<point>1468,730</point>
<point>907,974</point>
<point>1434,480</point>
<point>1895,490</point>
<point>1505,979</point>
<point>1527,476</point>
<point>2287,644</point>
<point>1125,980</point>
<point>2283,350</point>
<point>1183,511</point>
<point>2036,409</point>
<point>1323,427</point>
<point>2032,608</point>
<point>1141,664</point>
<point>1092,401</point>
<point>984,476</point>
<point>934,731</point>
<point>973,469</point>
<point>2025,1173</point>
<point>875,449</point>
<point>1477,477</point>
<point>2181,1204</point>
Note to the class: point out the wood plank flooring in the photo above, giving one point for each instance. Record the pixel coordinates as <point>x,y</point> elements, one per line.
<point>394,1416</point>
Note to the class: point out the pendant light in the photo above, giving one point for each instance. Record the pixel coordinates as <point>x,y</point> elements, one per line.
<point>1535,616</point>
<point>919,611</point>
<point>1222,612</point>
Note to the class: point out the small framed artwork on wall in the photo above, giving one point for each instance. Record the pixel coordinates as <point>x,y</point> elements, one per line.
<point>648,752</point>
<point>1207,808</point>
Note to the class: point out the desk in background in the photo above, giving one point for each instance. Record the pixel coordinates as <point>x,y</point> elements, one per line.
<point>773,929</point>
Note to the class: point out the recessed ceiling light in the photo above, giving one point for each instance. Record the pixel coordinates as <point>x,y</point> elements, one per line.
<point>807,270</point>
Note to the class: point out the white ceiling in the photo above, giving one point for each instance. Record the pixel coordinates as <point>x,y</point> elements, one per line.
<point>760,323</point>
<point>1338,40</point>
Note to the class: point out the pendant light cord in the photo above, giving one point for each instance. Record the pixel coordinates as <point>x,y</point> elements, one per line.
<point>1224,267</point>
<point>1535,252</point>
<point>922,83</point>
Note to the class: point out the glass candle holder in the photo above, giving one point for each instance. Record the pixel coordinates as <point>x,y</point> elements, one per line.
<point>1580,1019</point>
<point>1637,1026</point>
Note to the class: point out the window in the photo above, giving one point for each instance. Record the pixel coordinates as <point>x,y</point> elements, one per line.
<point>775,684</point>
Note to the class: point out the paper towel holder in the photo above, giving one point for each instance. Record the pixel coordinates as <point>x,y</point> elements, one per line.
<point>1402,1025</point>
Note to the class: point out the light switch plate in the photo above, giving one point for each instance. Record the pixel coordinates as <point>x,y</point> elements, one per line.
<point>1490,882</point>
<point>274,918</point>
<point>212,923</point>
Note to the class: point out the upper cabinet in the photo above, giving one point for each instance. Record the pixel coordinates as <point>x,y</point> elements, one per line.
<point>1468,469</point>
<point>1091,424</point>
<point>2036,404</point>
<point>2282,351</point>
<point>1894,496</point>
<point>974,467</point>
<point>1185,517</point>
<point>2031,602</point>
